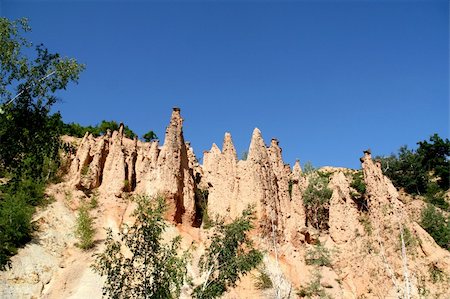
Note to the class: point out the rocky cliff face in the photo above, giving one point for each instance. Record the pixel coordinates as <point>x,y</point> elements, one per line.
<point>364,241</point>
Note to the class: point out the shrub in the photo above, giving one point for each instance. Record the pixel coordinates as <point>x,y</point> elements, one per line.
<point>437,225</point>
<point>201,208</point>
<point>84,230</point>
<point>436,196</point>
<point>365,221</point>
<point>358,182</point>
<point>154,269</point>
<point>313,289</point>
<point>319,255</point>
<point>317,200</point>
<point>262,280</point>
<point>308,168</point>
<point>229,256</point>
<point>15,226</point>
<point>409,239</point>
<point>149,136</point>
<point>85,170</point>
<point>126,185</point>
<point>94,201</point>
<point>290,187</point>
<point>436,274</point>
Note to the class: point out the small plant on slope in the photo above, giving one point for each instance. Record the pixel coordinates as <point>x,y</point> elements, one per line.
<point>317,200</point>
<point>84,229</point>
<point>262,280</point>
<point>230,255</point>
<point>319,256</point>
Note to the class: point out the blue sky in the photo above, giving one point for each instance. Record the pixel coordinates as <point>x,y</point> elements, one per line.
<point>327,78</point>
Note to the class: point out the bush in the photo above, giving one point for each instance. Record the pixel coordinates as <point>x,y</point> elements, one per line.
<point>313,289</point>
<point>437,225</point>
<point>365,221</point>
<point>84,230</point>
<point>358,182</point>
<point>201,208</point>
<point>153,269</point>
<point>149,136</point>
<point>317,200</point>
<point>408,238</point>
<point>319,255</point>
<point>15,226</point>
<point>262,280</point>
<point>308,168</point>
<point>229,256</point>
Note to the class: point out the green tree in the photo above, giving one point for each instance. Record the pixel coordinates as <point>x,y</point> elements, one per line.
<point>77,130</point>
<point>435,158</point>
<point>416,170</point>
<point>29,132</point>
<point>112,125</point>
<point>150,136</point>
<point>437,225</point>
<point>405,170</point>
<point>317,200</point>
<point>153,269</point>
<point>229,256</point>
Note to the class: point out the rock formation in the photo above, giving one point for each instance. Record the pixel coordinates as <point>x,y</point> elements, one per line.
<point>367,256</point>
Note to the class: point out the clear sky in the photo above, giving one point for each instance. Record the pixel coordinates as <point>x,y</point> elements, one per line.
<point>327,78</point>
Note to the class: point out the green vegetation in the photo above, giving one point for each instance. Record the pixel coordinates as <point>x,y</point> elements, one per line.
<point>29,132</point>
<point>244,156</point>
<point>313,289</point>
<point>290,187</point>
<point>365,221</point>
<point>230,255</point>
<point>360,187</point>
<point>409,238</point>
<point>358,182</point>
<point>437,225</point>
<point>317,200</point>
<point>319,255</point>
<point>153,269</point>
<point>414,170</point>
<point>94,201</point>
<point>84,230</point>
<point>149,136</point>
<point>201,206</point>
<point>436,274</point>
<point>425,171</point>
<point>77,130</point>
<point>262,280</point>
<point>308,168</point>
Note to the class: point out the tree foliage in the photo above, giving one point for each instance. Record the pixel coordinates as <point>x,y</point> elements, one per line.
<point>414,170</point>
<point>29,132</point>
<point>437,225</point>
<point>230,255</point>
<point>153,269</point>
<point>77,130</point>
<point>149,136</point>
<point>317,200</point>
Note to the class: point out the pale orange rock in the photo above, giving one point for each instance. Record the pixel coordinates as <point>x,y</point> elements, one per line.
<point>343,218</point>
